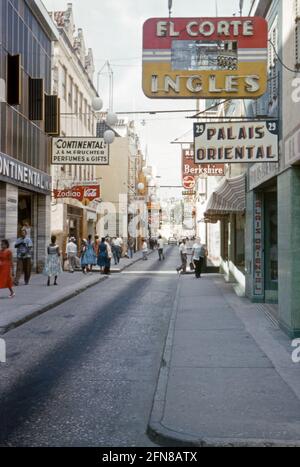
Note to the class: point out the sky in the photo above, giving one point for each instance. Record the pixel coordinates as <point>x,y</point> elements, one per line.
<point>113,29</point>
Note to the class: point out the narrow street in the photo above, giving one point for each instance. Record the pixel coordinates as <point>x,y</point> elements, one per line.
<point>84,373</point>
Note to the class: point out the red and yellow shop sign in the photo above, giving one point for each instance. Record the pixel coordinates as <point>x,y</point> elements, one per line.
<point>205,58</point>
<point>81,193</point>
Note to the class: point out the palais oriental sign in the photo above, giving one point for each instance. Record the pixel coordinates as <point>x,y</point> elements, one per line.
<point>237,142</point>
<point>206,58</point>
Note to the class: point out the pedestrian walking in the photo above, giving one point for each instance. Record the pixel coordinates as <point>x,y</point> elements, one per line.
<point>71,252</point>
<point>89,259</point>
<point>109,256</point>
<point>118,245</point>
<point>96,246</point>
<point>131,245</point>
<point>183,251</point>
<point>198,255</point>
<point>6,268</point>
<point>104,256</point>
<point>83,254</point>
<point>161,245</point>
<point>53,266</point>
<point>24,248</point>
<point>114,249</point>
<point>145,250</point>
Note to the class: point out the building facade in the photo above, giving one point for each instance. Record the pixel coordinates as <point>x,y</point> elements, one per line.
<point>73,74</point>
<point>271,240</point>
<point>119,181</point>
<point>27,119</point>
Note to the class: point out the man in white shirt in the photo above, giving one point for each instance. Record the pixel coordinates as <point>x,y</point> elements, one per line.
<point>161,245</point>
<point>183,250</point>
<point>198,256</point>
<point>71,252</point>
<point>118,243</point>
<point>145,250</point>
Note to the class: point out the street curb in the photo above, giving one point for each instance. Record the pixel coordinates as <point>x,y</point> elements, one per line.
<point>41,309</point>
<point>165,436</point>
<point>44,308</point>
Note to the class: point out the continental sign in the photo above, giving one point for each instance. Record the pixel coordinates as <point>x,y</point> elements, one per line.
<point>79,151</point>
<point>238,142</point>
<point>205,58</point>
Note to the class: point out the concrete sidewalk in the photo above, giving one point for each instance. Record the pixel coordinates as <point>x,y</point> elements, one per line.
<point>227,376</point>
<point>37,298</point>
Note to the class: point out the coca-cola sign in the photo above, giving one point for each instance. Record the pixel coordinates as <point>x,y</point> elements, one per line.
<point>81,193</point>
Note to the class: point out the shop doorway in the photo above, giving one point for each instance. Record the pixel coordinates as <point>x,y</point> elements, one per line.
<point>25,212</point>
<point>271,246</point>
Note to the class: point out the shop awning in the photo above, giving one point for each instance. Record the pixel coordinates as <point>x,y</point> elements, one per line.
<point>229,198</point>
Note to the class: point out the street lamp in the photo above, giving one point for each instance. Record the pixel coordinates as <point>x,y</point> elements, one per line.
<point>111,118</point>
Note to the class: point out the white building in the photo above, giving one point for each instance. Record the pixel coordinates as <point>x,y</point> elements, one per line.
<point>73,73</point>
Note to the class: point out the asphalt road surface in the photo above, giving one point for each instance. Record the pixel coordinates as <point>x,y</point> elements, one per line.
<point>84,373</point>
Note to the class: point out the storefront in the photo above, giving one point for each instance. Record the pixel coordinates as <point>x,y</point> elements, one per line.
<point>227,205</point>
<point>262,235</point>
<point>25,202</point>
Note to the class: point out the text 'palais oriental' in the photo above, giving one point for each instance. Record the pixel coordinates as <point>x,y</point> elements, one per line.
<point>237,142</point>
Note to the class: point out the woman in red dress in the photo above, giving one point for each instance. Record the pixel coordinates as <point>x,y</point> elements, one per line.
<point>6,267</point>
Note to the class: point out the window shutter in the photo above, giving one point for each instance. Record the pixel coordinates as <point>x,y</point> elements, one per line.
<point>36,99</point>
<point>52,115</point>
<point>14,87</point>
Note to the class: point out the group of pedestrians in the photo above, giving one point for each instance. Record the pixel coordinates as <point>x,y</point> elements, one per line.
<point>24,249</point>
<point>98,253</point>
<point>198,255</point>
<point>88,254</point>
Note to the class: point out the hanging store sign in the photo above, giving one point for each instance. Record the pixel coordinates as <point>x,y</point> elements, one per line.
<point>23,175</point>
<point>189,182</point>
<point>258,247</point>
<point>80,151</point>
<point>206,170</point>
<point>81,193</point>
<point>205,58</point>
<point>238,142</point>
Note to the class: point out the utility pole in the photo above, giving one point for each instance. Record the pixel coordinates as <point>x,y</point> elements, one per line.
<point>170,4</point>
<point>241,7</point>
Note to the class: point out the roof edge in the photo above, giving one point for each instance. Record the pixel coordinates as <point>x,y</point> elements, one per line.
<point>40,12</point>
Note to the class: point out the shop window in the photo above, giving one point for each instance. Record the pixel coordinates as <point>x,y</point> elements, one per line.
<point>25,212</point>
<point>14,87</point>
<point>52,115</point>
<point>240,242</point>
<point>36,99</point>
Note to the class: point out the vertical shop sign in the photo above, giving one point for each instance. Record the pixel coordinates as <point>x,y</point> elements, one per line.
<point>258,247</point>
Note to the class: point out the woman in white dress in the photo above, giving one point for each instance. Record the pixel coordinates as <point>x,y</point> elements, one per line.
<point>53,264</point>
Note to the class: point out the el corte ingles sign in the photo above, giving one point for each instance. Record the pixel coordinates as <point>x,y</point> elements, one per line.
<point>205,58</point>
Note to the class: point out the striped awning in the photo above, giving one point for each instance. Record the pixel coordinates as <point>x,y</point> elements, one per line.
<point>229,198</point>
